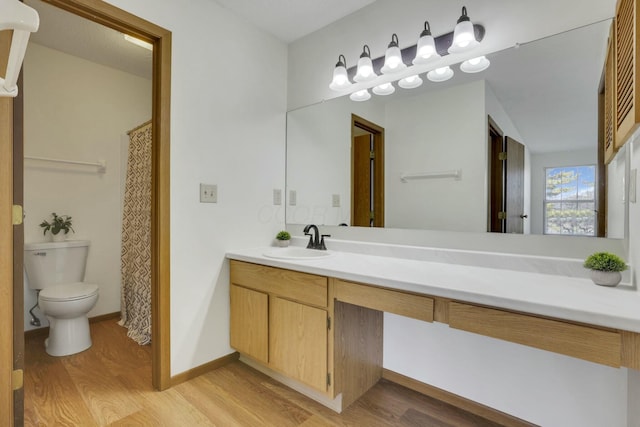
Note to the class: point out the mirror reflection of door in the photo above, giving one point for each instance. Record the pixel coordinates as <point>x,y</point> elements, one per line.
<point>367,173</point>
<point>506,183</point>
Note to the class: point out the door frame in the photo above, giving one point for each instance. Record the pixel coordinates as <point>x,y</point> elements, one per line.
<point>127,23</point>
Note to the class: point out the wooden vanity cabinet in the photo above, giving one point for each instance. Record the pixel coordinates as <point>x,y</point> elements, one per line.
<point>280,318</point>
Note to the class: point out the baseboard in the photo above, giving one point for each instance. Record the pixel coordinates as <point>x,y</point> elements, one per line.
<point>44,331</point>
<point>479,409</point>
<point>203,369</point>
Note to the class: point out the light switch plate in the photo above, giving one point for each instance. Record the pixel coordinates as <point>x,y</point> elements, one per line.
<point>335,200</point>
<point>292,198</point>
<point>277,196</point>
<point>208,193</point>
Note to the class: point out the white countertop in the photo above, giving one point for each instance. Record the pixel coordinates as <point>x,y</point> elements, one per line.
<point>568,298</point>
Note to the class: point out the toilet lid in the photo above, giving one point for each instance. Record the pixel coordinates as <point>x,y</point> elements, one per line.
<point>69,292</point>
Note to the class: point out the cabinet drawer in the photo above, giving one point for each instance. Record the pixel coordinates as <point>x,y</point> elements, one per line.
<point>404,304</point>
<point>595,345</point>
<point>302,287</point>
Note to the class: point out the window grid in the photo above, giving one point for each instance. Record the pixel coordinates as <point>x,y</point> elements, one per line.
<point>569,201</point>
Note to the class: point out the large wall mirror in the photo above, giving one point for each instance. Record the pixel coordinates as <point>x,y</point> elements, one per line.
<point>437,156</point>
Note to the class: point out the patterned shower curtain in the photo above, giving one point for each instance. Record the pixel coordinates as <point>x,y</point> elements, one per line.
<point>136,238</point>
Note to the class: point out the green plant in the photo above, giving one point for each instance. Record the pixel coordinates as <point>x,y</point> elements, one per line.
<point>58,224</point>
<point>283,235</point>
<point>605,261</point>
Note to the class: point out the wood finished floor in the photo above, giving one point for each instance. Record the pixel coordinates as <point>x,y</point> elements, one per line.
<point>110,385</point>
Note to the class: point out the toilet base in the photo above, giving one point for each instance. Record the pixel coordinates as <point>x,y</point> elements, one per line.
<point>68,336</point>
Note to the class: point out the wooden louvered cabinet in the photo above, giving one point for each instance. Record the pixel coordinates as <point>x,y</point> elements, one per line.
<point>627,83</point>
<point>608,125</point>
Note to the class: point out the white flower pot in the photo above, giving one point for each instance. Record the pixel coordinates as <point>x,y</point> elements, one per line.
<point>60,237</point>
<point>606,278</point>
<point>282,243</point>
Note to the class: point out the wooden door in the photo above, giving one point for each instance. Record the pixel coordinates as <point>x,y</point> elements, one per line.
<point>249,322</point>
<point>495,221</point>
<point>514,187</point>
<point>298,337</point>
<point>361,187</point>
<point>6,246</point>
<point>367,173</point>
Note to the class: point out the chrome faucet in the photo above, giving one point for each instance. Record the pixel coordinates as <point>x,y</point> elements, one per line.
<point>316,241</point>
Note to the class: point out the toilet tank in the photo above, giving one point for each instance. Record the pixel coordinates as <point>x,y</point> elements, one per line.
<point>48,264</point>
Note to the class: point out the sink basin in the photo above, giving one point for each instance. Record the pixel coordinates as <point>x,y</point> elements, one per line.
<point>294,253</point>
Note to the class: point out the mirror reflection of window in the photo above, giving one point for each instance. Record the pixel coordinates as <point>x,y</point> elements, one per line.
<point>570,201</point>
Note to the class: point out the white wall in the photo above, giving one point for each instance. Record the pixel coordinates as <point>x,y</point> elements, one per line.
<point>227,128</point>
<point>439,131</point>
<point>79,110</point>
<point>616,194</point>
<point>540,161</point>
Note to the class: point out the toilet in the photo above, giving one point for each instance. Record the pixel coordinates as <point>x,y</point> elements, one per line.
<point>57,269</point>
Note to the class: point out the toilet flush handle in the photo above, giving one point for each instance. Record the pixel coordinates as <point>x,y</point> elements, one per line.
<point>40,253</point>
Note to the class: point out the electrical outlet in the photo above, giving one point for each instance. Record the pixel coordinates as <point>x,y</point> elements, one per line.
<point>292,197</point>
<point>335,200</point>
<point>208,193</point>
<point>277,196</point>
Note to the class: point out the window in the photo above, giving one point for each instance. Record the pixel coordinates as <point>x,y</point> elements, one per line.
<point>570,201</point>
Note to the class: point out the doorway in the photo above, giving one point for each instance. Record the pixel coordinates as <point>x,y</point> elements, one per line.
<point>11,285</point>
<point>367,173</point>
<point>506,182</point>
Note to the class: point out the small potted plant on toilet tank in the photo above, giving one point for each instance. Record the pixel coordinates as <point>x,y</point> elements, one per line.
<point>59,227</point>
<point>283,238</point>
<point>605,268</point>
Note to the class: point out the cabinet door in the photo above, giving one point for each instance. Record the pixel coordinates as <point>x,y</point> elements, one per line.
<point>249,322</point>
<point>298,342</point>
<point>626,76</point>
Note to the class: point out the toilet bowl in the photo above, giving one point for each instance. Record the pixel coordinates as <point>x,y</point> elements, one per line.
<point>56,270</point>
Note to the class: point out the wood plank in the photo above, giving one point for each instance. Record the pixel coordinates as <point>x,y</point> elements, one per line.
<point>358,350</point>
<point>441,310</point>
<point>250,322</point>
<point>298,342</point>
<point>293,285</point>
<point>583,342</point>
<point>631,350</point>
<point>402,303</point>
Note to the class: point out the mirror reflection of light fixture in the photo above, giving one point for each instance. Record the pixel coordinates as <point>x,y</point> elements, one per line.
<point>426,48</point>
<point>410,82</point>
<point>393,58</point>
<point>138,42</point>
<point>475,65</point>
<point>384,89</point>
<point>464,38</point>
<point>441,74</point>
<point>361,95</point>
<point>23,20</point>
<point>365,71</point>
<point>340,78</point>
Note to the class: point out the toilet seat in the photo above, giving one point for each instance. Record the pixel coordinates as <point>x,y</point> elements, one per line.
<point>69,292</point>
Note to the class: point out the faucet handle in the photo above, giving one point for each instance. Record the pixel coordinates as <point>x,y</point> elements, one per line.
<point>322,245</point>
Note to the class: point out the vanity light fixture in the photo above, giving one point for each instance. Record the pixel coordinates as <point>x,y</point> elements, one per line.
<point>393,58</point>
<point>441,74</point>
<point>340,78</point>
<point>426,48</point>
<point>365,71</point>
<point>384,89</point>
<point>475,65</point>
<point>429,56</point>
<point>410,82</point>
<point>23,20</point>
<point>463,35</point>
<point>361,95</point>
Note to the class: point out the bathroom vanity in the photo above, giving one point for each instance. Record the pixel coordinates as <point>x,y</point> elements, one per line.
<point>318,325</point>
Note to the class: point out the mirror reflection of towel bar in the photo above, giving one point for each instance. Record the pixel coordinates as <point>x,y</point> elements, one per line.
<point>455,174</point>
<point>100,164</point>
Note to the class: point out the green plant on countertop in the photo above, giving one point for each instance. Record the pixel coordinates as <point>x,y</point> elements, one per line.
<point>283,235</point>
<point>58,224</point>
<point>605,261</point>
